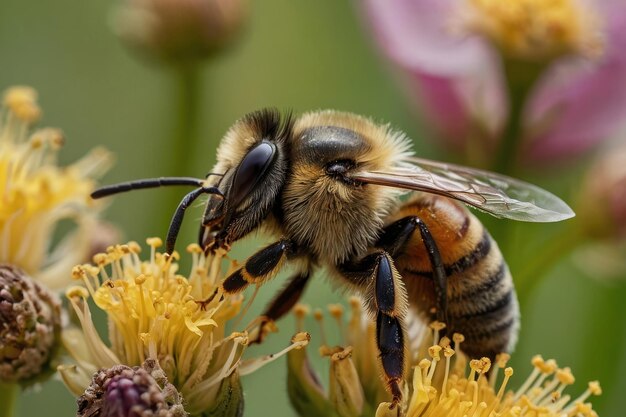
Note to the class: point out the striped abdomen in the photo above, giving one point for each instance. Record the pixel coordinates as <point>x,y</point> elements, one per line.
<point>482,304</point>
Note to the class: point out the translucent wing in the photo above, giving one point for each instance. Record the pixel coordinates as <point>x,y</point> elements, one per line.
<point>496,194</point>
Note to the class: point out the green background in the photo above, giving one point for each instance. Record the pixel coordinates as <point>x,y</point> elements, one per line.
<point>293,55</point>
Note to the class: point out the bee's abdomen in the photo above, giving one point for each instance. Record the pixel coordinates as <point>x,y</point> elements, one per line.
<point>482,304</point>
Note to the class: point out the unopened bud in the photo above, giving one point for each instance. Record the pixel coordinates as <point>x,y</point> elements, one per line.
<point>179,31</point>
<point>602,201</point>
<point>31,325</point>
<point>124,391</point>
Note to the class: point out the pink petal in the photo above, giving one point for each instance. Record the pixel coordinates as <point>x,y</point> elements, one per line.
<point>458,79</point>
<point>583,104</point>
<point>417,35</point>
<point>443,105</point>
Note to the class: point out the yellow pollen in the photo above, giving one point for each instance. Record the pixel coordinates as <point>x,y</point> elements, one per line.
<point>134,247</point>
<point>549,367</point>
<point>448,352</point>
<point>536,29</point>
<point>445,342</point>
<point>433,351</point>
<point>537,361</point>
<point>22,102</point>
<point>76,292</point>
<point>336,310</point>
<point>565,376</point>
<point>78,272</point>
<point>355,302</point>
<point>437,325</point>
<point>301,337</point>
<point>458,338</point>
<point>154,242</point>
<point>301,310</point>
<point>194,248</point>
<point>502,359</point>
<point>594,388</point>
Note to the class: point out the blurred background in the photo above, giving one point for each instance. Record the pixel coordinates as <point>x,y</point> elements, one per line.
<point>303,56</point>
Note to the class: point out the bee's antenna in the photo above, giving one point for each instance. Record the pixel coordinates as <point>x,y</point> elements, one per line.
<point>145,183</point>
<point>177,218</point>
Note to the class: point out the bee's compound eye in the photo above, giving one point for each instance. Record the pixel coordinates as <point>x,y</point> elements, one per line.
<point>251,170</point>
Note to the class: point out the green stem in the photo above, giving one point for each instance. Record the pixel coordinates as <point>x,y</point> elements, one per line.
<point>183,144</point>
<point>542,262</point>
<point>8,398</point>
<point>520,79</point>
<point>188,103</point>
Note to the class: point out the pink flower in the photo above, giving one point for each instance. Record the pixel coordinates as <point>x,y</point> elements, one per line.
<point>459,80</point>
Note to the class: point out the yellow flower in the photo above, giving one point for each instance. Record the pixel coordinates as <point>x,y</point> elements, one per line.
<point>535,29</point>
<point>36,193</point>
<point>154,312</point>
<point>438,384</point>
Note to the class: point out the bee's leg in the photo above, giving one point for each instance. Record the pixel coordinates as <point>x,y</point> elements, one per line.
<point>396,235</point>
<point>387,300</point>
<point>260,267</point>
<point>282,303</point>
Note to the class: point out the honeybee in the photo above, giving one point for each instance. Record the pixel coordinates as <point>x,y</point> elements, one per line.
<point>327,185</point>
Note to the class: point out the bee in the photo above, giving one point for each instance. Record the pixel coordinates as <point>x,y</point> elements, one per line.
<point>328,186</point>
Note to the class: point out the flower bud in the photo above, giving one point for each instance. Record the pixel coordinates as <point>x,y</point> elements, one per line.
<point>179,31</point>
<point>31,325</point>
<point>122,391</point>
<point>602,201</point>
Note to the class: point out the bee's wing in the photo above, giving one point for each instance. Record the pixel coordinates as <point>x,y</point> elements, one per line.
<point>495,194</point>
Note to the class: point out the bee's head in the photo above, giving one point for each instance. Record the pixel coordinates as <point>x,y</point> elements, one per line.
<point>253,158</point>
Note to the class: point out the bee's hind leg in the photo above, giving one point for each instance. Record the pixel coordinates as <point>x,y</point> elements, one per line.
<point>397,234</point>
<point>387,301</point>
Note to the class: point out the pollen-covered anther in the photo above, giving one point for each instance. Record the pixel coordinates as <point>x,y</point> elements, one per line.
<point>301,339</point>
<point>434,351</point>
<point>22,102</point>
<point>549,367</point>
<point>78,272</point>
<point>595,388</point>
<point>154,242</point>
<point>140,279</point>
<point>565,376</point>
<point>76,292</point>
<point>194,248</point>
<point>301,310</point>
<point>445,342</point>
<point>437,325</point>
<point>448,352</point>
<point>336,311</point>
<point>537,361</point>
<point>502,359</point>
<point>134,247</point>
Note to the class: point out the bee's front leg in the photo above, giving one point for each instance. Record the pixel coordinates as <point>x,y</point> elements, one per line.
<point>387,301</point>
<point>260,267</point>
<point>263,266</point>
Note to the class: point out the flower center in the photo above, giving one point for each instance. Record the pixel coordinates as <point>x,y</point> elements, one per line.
<point>536,29</point>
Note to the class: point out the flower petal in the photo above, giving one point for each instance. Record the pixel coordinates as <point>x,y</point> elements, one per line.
<point>583,104</point>
<point>418,34</point>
